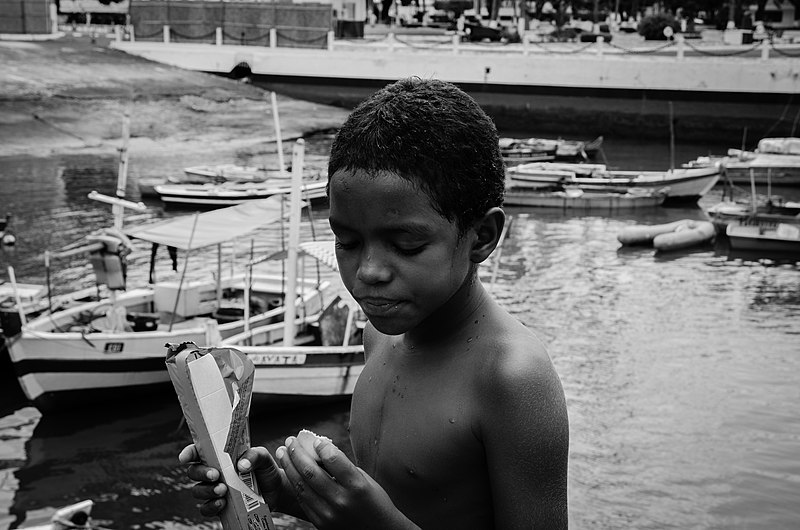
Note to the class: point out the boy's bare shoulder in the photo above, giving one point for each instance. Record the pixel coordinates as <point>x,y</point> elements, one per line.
<point>515,351</point>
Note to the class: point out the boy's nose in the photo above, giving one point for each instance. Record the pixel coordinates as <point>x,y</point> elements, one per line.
<point>372,269</point>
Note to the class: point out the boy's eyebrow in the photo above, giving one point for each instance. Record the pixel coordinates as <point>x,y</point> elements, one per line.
<point>404,227</point>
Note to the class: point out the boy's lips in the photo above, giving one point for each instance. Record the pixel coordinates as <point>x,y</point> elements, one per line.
<point>378,306</point>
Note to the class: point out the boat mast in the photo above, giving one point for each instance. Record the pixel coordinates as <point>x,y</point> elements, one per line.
<point>294,241</point>
<point>122,176</point>
<point>277,123</point>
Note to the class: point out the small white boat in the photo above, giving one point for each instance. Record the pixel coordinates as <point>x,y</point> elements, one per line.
<point>578,199</point>
<point>684,185</point>
<point>525,150</point>
<point>768,239</point>
<point>114,347</point>
<point>775,161</point>
<point>230,193</point>
<point>236,173</point>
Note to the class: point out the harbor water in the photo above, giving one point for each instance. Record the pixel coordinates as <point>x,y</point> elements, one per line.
<point>681,370</point>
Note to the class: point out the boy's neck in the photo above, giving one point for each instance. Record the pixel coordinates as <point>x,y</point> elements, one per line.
<point>451,317</point>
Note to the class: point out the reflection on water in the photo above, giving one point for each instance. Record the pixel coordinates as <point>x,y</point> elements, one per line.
<point>126,462</point>
<point>680,370</point>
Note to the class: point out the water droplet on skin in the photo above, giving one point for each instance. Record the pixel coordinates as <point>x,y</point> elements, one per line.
<point>452,420</point>
<point>412,472</point>
<point>469,339</point>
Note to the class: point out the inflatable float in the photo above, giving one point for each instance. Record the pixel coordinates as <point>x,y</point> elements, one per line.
<point>669,236</point>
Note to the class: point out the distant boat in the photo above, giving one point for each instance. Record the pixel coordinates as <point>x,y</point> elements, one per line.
<point>578,199</point>
<point>231,193</point>
<point>775,161</point>
<point>683,185</point>
<point>525,150</point>
<point>220,174</point>
<point>236,173</point>
<point>778,239</point>
<point>728,212</point>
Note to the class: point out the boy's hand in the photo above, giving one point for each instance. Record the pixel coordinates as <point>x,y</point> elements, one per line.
<point>333,492</point>
<point>211,491</point>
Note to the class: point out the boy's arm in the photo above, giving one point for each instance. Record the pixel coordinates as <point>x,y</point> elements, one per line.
<point>526,434</point>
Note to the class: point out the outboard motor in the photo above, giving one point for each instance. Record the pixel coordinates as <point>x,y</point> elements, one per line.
<point>108,262</point>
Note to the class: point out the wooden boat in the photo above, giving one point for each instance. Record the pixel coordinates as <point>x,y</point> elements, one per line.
<point>230,193</point>
<point>525,150</point>
<point>778,239</point>
<point>236,173</point>
<point>683,185</point>
<point>114,347</point>
<point>775,161</point>
<point>773,211</point>
<point>224,173</point>
<point>318,358</point>
<point>579,199</point>
<point>676,235</point>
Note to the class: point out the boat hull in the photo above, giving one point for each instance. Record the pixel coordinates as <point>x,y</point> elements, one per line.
<point>608,202</point>
<point>768,241</point>
<point>681,186</point>
<point>222,195</point>
<point>83,367</point>
<point>777,175</point>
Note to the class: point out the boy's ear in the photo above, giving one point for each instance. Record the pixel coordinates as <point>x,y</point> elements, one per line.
<point>487,230</point>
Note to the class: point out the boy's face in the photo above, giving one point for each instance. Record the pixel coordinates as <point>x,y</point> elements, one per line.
<point>399,258</point>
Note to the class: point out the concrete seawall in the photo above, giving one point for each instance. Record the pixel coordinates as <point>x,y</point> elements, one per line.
<point>591,92</point>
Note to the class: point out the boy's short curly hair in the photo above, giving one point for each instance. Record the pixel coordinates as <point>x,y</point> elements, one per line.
<point>433,134</point>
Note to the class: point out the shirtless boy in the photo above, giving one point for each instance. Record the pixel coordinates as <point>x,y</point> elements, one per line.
<point>458,419</point>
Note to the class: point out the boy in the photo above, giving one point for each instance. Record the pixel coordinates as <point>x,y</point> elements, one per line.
<point>458,419</point>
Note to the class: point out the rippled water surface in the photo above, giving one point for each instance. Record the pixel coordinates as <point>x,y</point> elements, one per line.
<point>682,371</point>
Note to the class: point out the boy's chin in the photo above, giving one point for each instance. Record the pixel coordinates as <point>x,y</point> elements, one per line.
<point>389,326</point>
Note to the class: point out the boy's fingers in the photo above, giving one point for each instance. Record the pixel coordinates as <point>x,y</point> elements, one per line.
<point>205,491</point>
<point>202,473</point>
<point>254,458</point>
<point>188,455</point>
<point>212,508</point>
<point>336,463</point>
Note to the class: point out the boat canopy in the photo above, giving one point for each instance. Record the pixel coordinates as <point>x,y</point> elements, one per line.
<point>214,227</point>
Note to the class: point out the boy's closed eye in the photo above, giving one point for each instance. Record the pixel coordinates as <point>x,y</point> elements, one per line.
<point>408,248</point>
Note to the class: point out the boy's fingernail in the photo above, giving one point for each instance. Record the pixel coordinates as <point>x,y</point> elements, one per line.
<point>280,452</point>
<point>288,441</point>
<point>210,474</point>
<point>219,489</point>
<point>244,465</point>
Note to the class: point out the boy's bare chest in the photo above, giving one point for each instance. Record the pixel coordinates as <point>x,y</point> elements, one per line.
<point>414,431</point>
